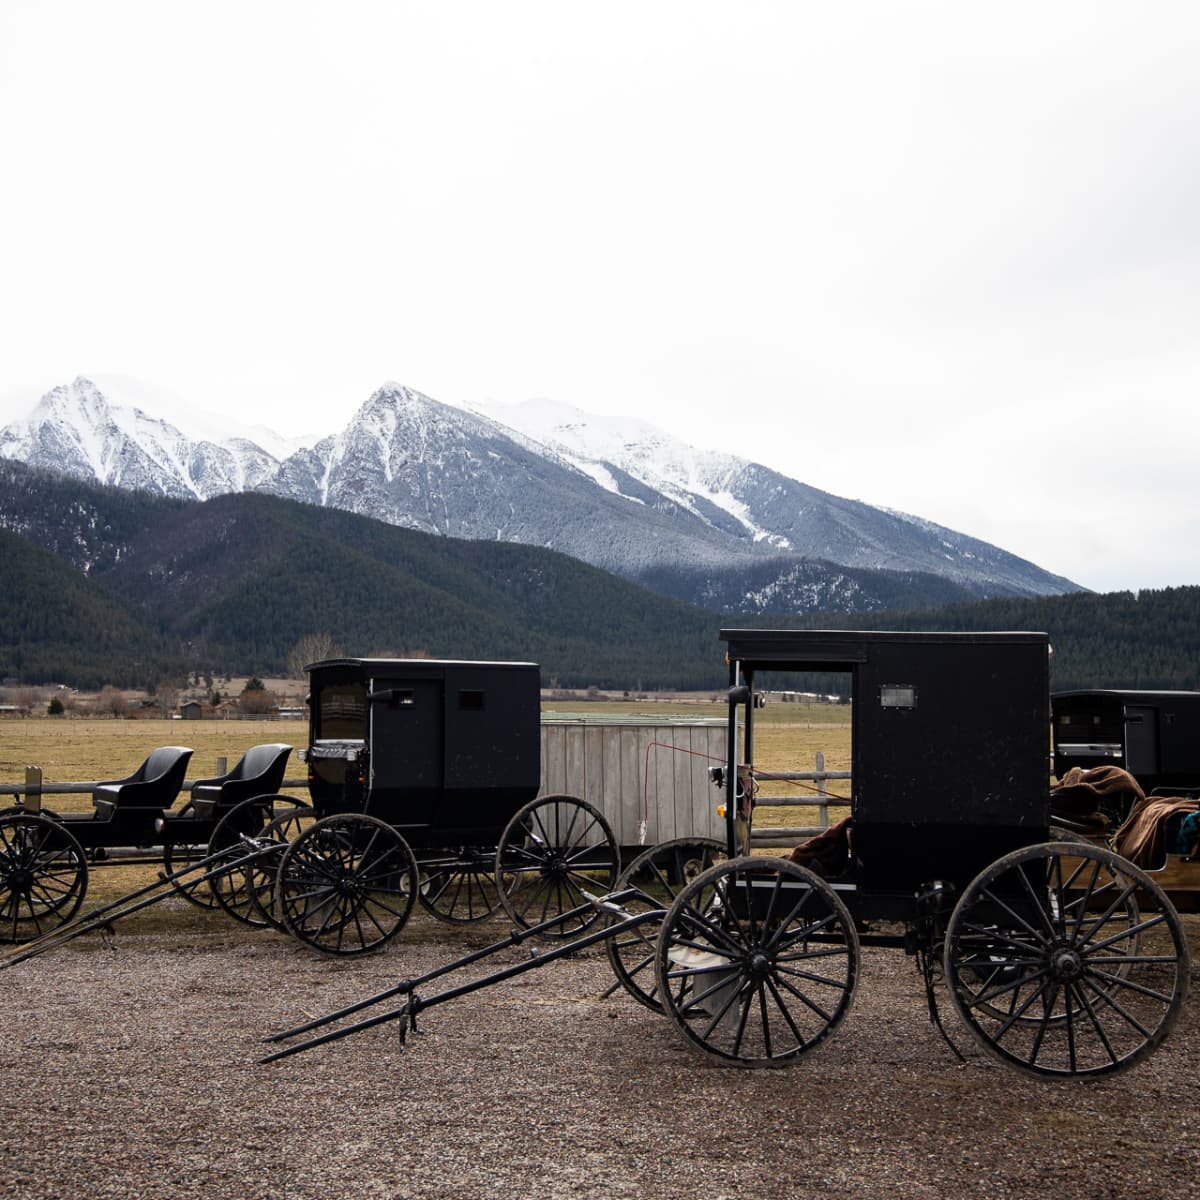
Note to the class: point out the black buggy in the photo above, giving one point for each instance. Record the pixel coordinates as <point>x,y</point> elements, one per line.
<point>423,777</point>
<point>1061,958</point>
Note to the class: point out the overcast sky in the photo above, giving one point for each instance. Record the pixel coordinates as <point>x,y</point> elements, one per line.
<point>939,257</point>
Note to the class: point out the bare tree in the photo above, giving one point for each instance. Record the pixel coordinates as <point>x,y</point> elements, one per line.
<point>166,696</point>
<point>111,700</point>
<point>311,648</point>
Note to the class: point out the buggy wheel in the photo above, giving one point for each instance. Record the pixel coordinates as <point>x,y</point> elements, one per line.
<point>553,850</point>
<point>659,873</point>
<point>179,855</point>
<point>1055,969</point>
<point>756,961</point>
<point>289,820</point>
<point>461,891</point>
<point>43,876</point>
<point>234,887</point>
<point>347,884</point>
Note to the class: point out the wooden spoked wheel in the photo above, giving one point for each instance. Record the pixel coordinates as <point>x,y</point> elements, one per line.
<point>178,856</point>
<point>552,852</point>
<point>346,885</point>
<point>43,876</point>
<point>659,873</point>
<point>461,890</point>
<point>1055,966</point>
<point>756,961</point>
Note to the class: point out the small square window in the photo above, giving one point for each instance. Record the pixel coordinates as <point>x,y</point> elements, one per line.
<point>898,695</point>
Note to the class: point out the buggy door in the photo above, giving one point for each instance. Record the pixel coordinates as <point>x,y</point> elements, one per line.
<point>1141,740</point>
<point>406,740</point>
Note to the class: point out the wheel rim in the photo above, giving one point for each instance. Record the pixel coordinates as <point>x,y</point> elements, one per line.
<point>553,851</point>
<point>756,961</point>
<point>179,855</point>
<point>234,888</point>
<point>659,874</point>
<point>346,885</point>
<point>1055,968</point>
<point>290,819</point>
<point>43,877</point>
<point>461,891</point>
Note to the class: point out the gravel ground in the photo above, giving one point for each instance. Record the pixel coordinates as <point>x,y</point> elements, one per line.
<point>131,1071</point>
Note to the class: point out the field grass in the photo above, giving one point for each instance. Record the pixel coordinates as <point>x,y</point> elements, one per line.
<point>788,737</point>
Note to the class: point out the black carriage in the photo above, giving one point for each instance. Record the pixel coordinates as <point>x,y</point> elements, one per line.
<point>1060,957</point>
<point>1151,818</point>
<point>1150,734</point>
<point>424,777</point>
<point>1045,947</point>
<point>45,856</point>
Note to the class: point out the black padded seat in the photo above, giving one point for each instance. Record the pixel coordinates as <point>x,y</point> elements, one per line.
<point>260,773</point>
<point>155,784</point>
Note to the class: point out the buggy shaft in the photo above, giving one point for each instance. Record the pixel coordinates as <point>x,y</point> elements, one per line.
<point>414,1004</point>
<point>515,938</point>
<point>212,866</point>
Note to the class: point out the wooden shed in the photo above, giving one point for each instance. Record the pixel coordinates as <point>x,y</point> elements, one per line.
<point>638,769</point>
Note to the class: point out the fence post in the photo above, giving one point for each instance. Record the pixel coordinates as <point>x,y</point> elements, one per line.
<point>822,790</point>
<point>33,789</point>
<point>222,765</point>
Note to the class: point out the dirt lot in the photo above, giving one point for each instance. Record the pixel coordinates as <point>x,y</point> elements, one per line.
<point>131,1071</point>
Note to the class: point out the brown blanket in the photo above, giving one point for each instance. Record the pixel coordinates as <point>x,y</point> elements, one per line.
<point>1143,837</point>
<point>1085,798</point>
<point>828,854</point>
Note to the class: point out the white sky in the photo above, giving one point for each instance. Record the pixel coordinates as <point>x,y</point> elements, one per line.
<point>942,257</point>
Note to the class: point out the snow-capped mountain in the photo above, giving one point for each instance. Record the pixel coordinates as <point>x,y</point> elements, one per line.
<point>776,515</point>
<point>411,461</point>
<point>619,494</point>
<point>75,430</point>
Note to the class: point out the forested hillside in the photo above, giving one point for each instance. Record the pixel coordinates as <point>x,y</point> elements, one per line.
<point>109,586</point>
<point>58,627</point>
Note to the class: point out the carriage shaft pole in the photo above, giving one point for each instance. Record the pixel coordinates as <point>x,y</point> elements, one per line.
<point>414,1004</point>
<point>515,938</point>
<point>135,901</point>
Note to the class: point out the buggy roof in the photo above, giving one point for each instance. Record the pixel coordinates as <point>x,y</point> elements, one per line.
<point>1125,694</point>
<point>832,649</point>
<point>413,663</point>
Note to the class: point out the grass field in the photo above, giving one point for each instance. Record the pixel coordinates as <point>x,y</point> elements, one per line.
<point>788,737</point>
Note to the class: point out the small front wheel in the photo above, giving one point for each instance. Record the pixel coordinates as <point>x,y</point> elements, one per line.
<point>461,889</point>
<point>346,885</point>
<point>659,874</point>
<point>757,960</point>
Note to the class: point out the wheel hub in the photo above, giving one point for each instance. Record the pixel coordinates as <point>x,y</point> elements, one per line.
<point>21,881</point>
<point>1066,963</point>
<point>759,964</point>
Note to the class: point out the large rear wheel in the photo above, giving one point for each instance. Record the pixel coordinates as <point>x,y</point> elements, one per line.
<point>1056,969</point>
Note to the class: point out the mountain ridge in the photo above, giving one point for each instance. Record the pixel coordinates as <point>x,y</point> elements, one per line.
<point>619,494</point>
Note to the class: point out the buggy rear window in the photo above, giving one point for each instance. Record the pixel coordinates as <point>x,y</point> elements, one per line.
<point>342,711</point>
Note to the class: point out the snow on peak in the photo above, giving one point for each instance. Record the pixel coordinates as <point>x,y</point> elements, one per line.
<point>689,476</point>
